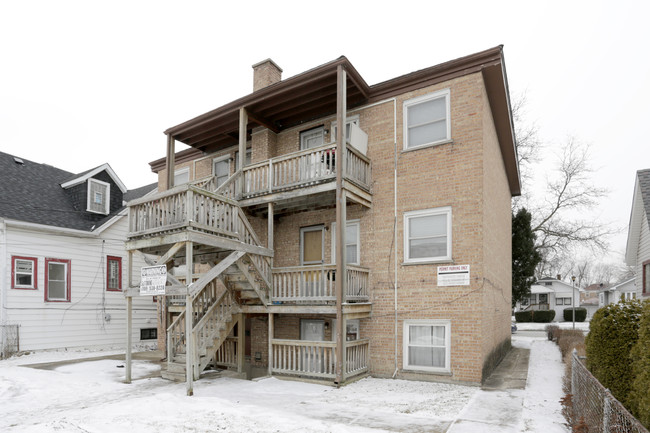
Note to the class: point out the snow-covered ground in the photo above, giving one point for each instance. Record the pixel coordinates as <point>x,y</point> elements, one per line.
<point>91,397</point>
<point>529,326</point>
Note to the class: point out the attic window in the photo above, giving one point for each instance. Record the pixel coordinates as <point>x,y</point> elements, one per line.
<point>98,196</point>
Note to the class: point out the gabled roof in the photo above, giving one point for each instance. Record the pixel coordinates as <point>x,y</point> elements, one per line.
<point>312,95</point>
<point>621,285</point>
<point>82,177</point>
<point>640,213</point>
<point>31,192</point>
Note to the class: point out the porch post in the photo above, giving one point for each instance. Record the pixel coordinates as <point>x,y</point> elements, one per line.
<point>189,315</point>
<point>269,243</point>
<point>129,317</point>
<point>170,163</point>
<point>243,123</point>
<point>241,341</point>
<point>270,356</point>
<point>341,219</point>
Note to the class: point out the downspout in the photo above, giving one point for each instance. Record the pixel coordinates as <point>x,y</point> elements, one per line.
<point>395,227</point>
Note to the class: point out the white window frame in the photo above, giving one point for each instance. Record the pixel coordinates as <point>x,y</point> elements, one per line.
<point>421,213</point>
<point>357,223</point>
<point>445,93</point>
<point>180,172</point>
<point>320,228</point>
<point>107,199</point>
<point>348,121</point>
<point>306,133</point>
<point>215,161</point>
<point>15,273</point>
<point>405,345</point>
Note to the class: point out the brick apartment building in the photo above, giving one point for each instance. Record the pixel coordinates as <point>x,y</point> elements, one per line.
<point>253,214</point>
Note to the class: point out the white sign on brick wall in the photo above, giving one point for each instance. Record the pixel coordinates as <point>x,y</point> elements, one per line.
<point>456,275</point>
<point>153,280</point>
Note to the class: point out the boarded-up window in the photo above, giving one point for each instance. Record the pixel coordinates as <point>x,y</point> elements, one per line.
<point>311,245</point>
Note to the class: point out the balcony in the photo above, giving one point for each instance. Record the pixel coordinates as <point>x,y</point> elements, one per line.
<point>316,284</point>
<point>295,175</point>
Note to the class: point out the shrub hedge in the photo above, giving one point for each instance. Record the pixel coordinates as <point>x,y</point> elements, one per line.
<point>639,396</point>
<point>543,316</point>
<point>524,316</point>
<point>581,314</point>
<point>613,332</point>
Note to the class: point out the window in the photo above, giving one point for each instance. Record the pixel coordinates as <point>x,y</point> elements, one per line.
<point>312,138</point>
<point>426,120</point>
<point>221,169</point>
<point>646,278</point>
<point>525,301</point>
<point>311,245</point>
<point>562,301</point>
<point>247,161</point>
<point>148,334</point>
<point>548,283</point>
<point>427,235</point>
<point>24,272</point>
<point>113,273</point>
<point>57,280</point>
<point>98,196</point>
<point>182,176</point>
<point>352,243</point>
<point>427,345</point>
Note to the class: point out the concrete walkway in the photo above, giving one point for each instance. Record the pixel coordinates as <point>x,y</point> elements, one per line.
<point>498,406</point>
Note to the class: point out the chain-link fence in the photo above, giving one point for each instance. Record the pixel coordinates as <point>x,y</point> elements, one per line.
<point>595,410</point>
<point>9,340</point>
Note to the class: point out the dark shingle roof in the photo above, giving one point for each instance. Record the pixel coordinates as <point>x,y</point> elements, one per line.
<point>32,192</point>
<point>132,194</point>
<point>644,185</point>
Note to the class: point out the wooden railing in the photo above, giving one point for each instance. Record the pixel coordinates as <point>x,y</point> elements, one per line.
<point>176,337</point>
<point>312,358</point>
<point>318,358</point>
<point>318,284</point>
<point>227,353</point>
<point>357,168</point>
<point>293,170</point>
<point>213,322</point>
<point>356,357</point>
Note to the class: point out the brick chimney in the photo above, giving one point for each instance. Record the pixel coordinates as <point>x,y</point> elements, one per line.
<point>265,73</point>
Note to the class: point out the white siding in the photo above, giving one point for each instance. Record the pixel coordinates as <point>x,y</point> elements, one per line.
<point>642,255</point>
<point>93,316</point>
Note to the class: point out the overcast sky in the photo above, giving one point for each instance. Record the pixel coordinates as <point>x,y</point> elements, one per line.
<point>87,82</point>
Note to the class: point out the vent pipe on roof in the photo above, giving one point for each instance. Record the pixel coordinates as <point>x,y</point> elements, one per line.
<point>559,277</point>
<point>265,73</point>
<point>18,161</point>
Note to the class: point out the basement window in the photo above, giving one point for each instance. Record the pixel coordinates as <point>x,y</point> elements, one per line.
<point>148,334</point>
<point>427,345</point>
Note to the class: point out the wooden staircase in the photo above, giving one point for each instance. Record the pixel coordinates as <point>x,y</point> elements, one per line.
<point>246,278</point>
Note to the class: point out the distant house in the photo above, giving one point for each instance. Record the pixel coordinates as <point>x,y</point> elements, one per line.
<point>551,294</point>
<point>625,290</point>
<point>62,258</point>
<point>637,253</point>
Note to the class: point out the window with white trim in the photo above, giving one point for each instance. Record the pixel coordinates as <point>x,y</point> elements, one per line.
<point>426,120</point>
<point>221,169</point>
<point>182,176</point>
<point>312,138</point>
<point>57,280</point>
<point>352,242</point>
<point>113,273</point>
<point>427,235</point>
<point>427,345</point>
<point>24,272</point>
<point>99,196</point>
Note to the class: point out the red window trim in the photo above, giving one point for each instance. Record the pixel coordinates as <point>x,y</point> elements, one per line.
<point>13,272</point>
<point>67,277</point>
<point>645,292</point>
<point>108,269</point>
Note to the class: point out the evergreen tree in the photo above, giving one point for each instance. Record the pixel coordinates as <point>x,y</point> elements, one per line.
<point>525,256</point>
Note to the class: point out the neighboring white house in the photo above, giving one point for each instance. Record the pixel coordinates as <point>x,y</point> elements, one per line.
<point>624,290</point>
<point>637,253</point>
<point>63,265</point>
<point>551,294</point>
